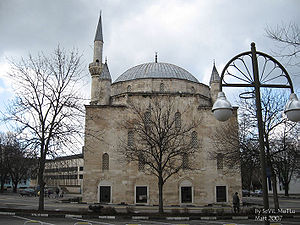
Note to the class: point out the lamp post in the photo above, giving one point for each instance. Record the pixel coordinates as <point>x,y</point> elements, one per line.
<point>273,75</point>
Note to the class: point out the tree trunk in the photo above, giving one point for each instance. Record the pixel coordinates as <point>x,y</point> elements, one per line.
<point>15,187</point>
<point>286,189</point>
<point>274,186</point>
<point>2,184</point>
<point>41,182</point>
<point>160,194</point>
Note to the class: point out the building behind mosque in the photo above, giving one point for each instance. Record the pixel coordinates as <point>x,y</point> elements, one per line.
<point>106,179</point>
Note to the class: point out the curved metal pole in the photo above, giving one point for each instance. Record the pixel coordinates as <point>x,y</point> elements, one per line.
<point>257,85</point>
<point>260,128</point>
<point>261,85</point>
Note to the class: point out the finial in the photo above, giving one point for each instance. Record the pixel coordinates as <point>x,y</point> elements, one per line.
<point>214,62</point>
<point>105,59</point>
<point>156,57</point>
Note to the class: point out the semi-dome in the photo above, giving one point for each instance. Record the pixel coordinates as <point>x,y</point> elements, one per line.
<point>156,70</point>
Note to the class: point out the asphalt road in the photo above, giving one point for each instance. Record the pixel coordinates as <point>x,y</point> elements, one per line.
<point>17,202</point>
<point>20,220</point>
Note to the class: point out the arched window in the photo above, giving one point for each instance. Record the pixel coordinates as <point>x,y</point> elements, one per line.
<point>128,88</point>
<point>220,160</point>
<point>162,87</point>
<point>177,120</point>
<point>185,161</point>
<point>193,90</point>
<point>130,138</point>
<point>105,161</point>
<point>141,161</point>
<point>194,139</point>
<point>147,118</point>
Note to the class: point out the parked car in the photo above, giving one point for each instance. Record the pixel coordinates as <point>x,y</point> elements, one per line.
<point>245,193</point>
<point>28,192</point>
<point>258,193</point>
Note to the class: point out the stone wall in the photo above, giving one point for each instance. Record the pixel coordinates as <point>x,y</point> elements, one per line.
<point>104,132</point>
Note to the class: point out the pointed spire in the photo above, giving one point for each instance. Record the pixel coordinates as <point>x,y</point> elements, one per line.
<point>215,77</point>
<point>99,35</point>
<point>105,74</point>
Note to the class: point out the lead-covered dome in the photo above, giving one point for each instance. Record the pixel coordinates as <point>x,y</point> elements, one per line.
<point>156,70</point>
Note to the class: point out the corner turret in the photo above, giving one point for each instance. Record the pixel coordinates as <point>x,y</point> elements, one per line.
<point>214,83</point>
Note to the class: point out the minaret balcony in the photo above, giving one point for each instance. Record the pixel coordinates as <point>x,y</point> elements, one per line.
<point>95,68</point>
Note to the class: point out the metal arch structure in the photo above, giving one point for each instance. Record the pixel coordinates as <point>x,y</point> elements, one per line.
<point>265,77</point>
<point>253,79</point>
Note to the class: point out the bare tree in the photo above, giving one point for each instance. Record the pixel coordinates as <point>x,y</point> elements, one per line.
<point>47,110</point>
<point>4,168</point>
<point>285,153</point>
<point>238,149</point>
<point>20,162</point>
<point>273,102</point>
<point>159,140</point>
<point>287,37</point>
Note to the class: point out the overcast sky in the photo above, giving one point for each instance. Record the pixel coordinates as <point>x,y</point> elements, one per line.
<point>187,33</point>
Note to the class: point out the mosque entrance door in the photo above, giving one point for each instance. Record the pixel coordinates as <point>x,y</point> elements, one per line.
<point>105,193</point>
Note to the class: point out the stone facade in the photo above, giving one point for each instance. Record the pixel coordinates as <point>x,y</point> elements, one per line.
<point>107,178</point>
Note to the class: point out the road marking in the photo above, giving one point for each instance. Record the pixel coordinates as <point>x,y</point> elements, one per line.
<point>92,221</point>
<point>155,222</point>
<point>27,219</point>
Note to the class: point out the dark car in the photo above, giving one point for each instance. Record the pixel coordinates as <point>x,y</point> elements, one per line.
<point>245,193</point>
<point>28,192</point>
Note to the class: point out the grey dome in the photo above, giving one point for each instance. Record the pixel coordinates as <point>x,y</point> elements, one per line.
<point>156,70</point>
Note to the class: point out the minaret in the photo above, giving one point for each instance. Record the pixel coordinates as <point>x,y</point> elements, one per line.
<point>101,79</point>
<point>214,83</point>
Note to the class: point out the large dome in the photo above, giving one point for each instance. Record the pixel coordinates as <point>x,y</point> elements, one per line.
<point>156,70</point>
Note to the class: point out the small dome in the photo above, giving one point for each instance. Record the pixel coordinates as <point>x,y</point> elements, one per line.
<point>156,70</point>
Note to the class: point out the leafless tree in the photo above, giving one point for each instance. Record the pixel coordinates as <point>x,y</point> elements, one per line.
<point>273,102</point>
<point>47,110</point>
<point>238,149</point>
<point>17,161</point>
<point>287,37</point>
<point>286,153</point>
<point>4,169</point>
<point>160,140</point>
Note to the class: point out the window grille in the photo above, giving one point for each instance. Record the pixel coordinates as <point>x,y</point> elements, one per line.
<point>194,139</point>
<point>105,161</point>
<point>162,87</point>
<point>220,158</point>
<point>141,162</point>
<point>130,138</point>
<point>177,120</point>
<point>147,116</point>
<point>185,161</point>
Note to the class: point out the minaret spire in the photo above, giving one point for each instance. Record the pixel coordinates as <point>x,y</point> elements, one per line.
<point>98,42</point>
<point>99,35</point>
<point>215,77</point>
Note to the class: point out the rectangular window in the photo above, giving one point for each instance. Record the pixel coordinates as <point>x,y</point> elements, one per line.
<point>80,176</point>
<point>141,194</point>
<point>81,168</point>
<point>186,194</point>
<point>221,193</point>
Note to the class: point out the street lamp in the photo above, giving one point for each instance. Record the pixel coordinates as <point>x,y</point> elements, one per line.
<point>273,75</point>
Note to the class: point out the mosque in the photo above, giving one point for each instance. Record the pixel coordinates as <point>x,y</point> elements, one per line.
<point>107,180</point>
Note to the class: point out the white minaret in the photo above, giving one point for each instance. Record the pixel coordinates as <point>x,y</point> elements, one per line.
<point>101,79</point>
<point>214,83</point>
